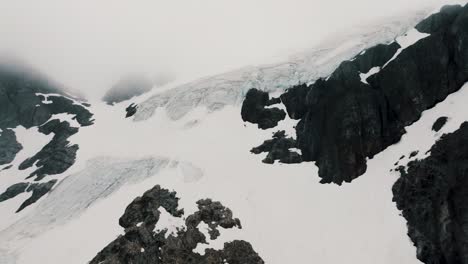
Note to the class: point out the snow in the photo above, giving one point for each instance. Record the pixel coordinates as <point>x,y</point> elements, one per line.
<point>216,92</point>
<point>191,139</point>
<point>405,41</point>
<point>49,95</point>
<point>169,223</point>
<point>71,119</point>
<point>366,75</point>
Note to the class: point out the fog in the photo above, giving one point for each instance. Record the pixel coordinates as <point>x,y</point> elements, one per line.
<point>90,44</point>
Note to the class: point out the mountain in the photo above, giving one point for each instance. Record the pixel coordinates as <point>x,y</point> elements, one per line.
<point>353,152</point>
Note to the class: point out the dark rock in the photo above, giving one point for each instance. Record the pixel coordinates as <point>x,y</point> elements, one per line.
<point>38,190</point>
<point>141,245</point>
<point>55,157</point>
<point>145,209</point>
<point>413,154</point>
<point>9,146</point>
<point>254,111</point>
<point>126,89</point>
<point>433,196</point>
<point>439,123</point>
<point>13,191</point>
<point>131,110</point>
<point>21,104</point>
<point>278,149</point>
<point>7,167</point>
<point>348,121</point>
<point>273,101</point>
<point>294,100</point>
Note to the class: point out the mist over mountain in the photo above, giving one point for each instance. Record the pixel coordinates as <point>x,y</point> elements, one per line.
<point>351,151</point>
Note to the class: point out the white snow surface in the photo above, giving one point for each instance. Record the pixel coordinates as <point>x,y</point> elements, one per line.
<point>408,39</point>
<point>185,146</point>
<point>230,88</point>
<point>366,75</point>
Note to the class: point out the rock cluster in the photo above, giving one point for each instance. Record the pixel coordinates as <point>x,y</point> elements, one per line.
<point>254,109</point>
<point>344,119</point>
<point>433,196</point>
<point>38,190</point>
<point>141,244</point>
<point>30,100</point>
<point>278,148</point>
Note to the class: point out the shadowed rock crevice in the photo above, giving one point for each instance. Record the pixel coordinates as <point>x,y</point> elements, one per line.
<point>141,244</point>
<point>433,196</point>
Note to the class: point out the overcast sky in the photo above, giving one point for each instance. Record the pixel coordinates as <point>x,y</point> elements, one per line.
<point>90,44</point>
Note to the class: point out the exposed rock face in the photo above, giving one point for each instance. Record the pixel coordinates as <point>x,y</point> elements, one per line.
<point>278,148</point>
<point>38,190</point>
<point>126,89</point>
<point>131,110</point>
<point>345,119</point>
<point>9,146</point>
<point>254,111</point>
<point>28,99</point>
<point>433,196</point>
<point>141,245</point>
<point>58,155</point>
<point>439,123</point>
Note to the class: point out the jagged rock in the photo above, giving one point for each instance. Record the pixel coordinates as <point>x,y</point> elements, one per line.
<point>55,157</point>
<point>127,88</point>
<point>348,120</point>
<point>413,154</point>
<point>141,245</point>
<point>23,102</point>
<point>144,209</point>
<point>13,191</point>
<point>278,149</point>
<point>38,190</point>
<point>294,101</point>
<point>433,196</point>
<point>254,111</point>
<point>439,123</point>
<point>131,110</point>
<point>9,146</point>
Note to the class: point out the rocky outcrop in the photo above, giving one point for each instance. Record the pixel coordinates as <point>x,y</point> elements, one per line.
<point>55,157</point>
<point>131,110</point>
<point>439,123</point>
<point>37,189</point>
<point>141,244</point>
<point>254,109</point>
<point>353,115</point>
<point>29,99</point>
<point>278,148</point>
<point>9,146</point>
<point>126,89</point>
<point>433,196</point>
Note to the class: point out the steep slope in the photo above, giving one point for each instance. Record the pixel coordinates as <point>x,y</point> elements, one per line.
<point>31,101</point>
<point>187,147</point>
<point>364,105</point>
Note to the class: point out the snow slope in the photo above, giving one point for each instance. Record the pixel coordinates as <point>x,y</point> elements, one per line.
<point>183,145</point>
